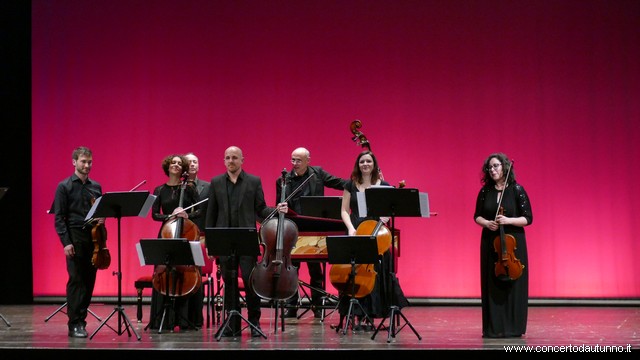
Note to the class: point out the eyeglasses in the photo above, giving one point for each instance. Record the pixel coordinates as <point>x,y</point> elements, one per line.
<point>494,167</point>
<point>296,161</point>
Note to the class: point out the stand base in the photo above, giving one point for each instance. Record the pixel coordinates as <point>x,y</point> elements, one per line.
<point>65,305</point>
<point>226,323</point>
<point>350,315</point>
<point>120,331</point>
<point>5,320</point>
<point>325,298</point>
<point>394,320</point>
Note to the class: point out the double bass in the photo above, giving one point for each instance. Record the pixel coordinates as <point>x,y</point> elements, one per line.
<point>365,274</point>
<point>184,279</point>
<point>274,277</point>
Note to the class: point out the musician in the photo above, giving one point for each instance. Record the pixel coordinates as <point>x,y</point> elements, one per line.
<point>299,173</point>
<point>236,199</point>
<point>73,200</point>
<point>504,303</point>
<point>202,186</point>
<point>365,174</point>
<point>164,208</point>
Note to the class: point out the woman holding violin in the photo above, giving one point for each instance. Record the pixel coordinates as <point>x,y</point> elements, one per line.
<point>503,210</point>
<point>167,210</point>
<point>366,173</point>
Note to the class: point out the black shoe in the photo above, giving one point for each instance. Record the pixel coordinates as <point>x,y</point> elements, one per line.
<point>290,313</point>
<point>78,331</point>
<point>256,332</point>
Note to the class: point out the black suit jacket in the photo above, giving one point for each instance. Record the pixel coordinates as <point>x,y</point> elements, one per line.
<point>316,186</point>
<point>252,207</point>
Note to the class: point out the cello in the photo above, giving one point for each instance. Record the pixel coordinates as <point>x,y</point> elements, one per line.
<point>186,278</point>
<point>508,267</point>
<point>365,274</point>
<point>274,277</point>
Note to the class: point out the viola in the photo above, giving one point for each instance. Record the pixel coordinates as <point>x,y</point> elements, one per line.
<point>185,279</point>
<point>275,277</point>
<point>101,258</point>
<point>508,267</point>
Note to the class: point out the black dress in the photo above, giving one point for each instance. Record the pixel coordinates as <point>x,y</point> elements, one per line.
<point>188,308</point>
<point>377,303</point>
<point>504,303</point>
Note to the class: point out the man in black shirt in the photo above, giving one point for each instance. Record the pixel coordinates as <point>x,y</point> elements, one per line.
<point>300,171</point>
<point>73,200</point>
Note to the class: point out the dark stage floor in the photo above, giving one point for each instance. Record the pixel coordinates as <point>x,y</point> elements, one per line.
<point>437,328</point>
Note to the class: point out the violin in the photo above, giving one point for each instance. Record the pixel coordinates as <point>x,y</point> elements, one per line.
<point>275,277</point>
<point>508,267</point>
<point>185,279</point>
<point>101,258</point>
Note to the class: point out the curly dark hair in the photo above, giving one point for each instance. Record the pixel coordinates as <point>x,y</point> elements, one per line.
<point>506,165</point>
<point>166,163</point>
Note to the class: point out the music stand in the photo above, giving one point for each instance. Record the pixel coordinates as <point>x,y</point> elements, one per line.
<point>358,249</point>
<point>328,207</point>
<point>119,205</point>
<point>171,253</point>
<point>233,242</point>
<point>392,202</point>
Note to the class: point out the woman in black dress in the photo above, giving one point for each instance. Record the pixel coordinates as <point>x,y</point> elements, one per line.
<point>176,168</point>
<point>365,174</point>
<point>504,301</point>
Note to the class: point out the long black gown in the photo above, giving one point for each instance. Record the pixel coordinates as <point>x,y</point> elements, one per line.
<point>504,303</point>
<point>187,309</point>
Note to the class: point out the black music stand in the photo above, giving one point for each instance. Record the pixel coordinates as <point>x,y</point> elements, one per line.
<point>171,253</point>
<point>119,205</point>
<point>358,249</point>
<point>233,242</point>
<point>392,202</point>
<point>328,207</point>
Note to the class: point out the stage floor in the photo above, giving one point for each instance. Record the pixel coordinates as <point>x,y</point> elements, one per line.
<point>440,328</point>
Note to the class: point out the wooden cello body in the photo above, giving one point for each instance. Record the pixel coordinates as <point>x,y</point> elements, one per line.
<point>274,277</point>
<point>365,274</point>
<point>183,280</point>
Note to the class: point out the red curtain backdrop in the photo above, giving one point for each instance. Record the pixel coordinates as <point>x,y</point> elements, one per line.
<point>437,85</point>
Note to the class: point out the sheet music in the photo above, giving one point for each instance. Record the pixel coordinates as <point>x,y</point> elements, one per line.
<point>362,204</point>
<point>424,204</point>
<point>196,251</point>
<point>92,210</point>
<point>140,255</point>
<point>147,205</point>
